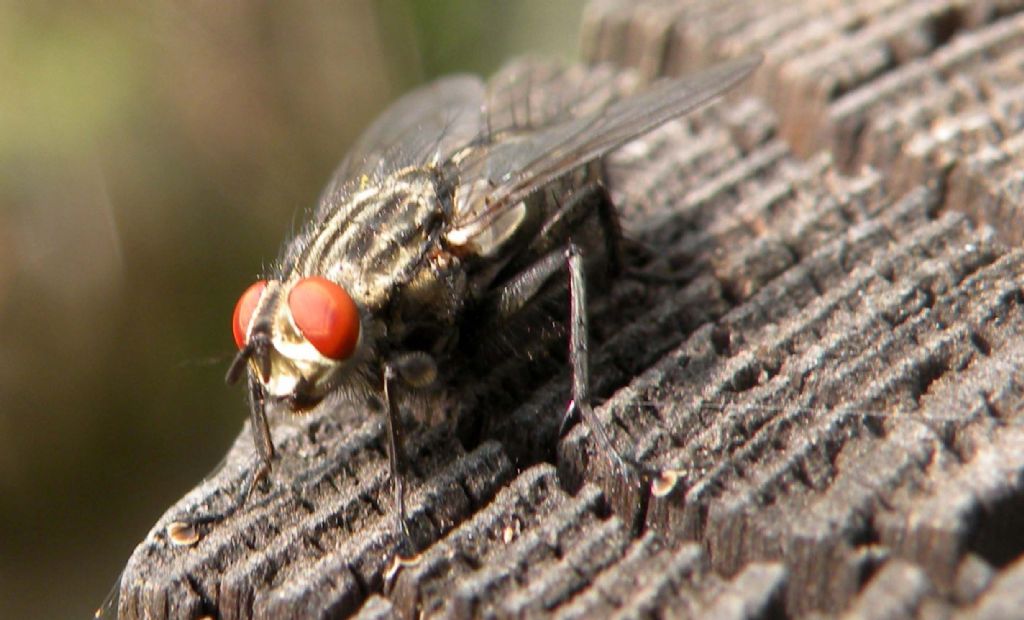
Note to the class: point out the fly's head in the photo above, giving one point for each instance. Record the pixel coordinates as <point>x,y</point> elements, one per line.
<point>300,339</point>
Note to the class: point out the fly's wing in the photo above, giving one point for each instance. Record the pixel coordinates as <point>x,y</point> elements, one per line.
<point>524,99</point>
<point>531,94</point>
<point>517,165</point>
<point>425,126</point>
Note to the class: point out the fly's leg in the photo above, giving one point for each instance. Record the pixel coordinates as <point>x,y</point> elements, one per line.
<point>396,455</point>
<point>256,350</point>
<point>264,443</point>
<point>580,364</point>
<point>520,290</point>
<point>260,435</point>
<point>265,451</point>
<point>517,292</point>
<point>417,370</point>
<point>575,210</point>
<point>571,214</point>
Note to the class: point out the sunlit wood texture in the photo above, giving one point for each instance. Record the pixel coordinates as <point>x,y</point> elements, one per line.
<point>837,375</point>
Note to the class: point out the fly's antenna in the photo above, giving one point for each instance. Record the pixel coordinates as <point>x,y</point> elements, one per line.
<point>238,364</point>
<point>258,349</point>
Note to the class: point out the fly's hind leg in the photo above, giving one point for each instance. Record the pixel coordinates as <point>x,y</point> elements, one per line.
<point>567,220</point>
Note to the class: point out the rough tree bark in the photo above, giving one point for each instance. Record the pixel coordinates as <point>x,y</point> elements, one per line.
<point>838,377</point>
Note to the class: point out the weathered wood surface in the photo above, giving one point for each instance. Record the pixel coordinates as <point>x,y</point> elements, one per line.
<point>839,378</point>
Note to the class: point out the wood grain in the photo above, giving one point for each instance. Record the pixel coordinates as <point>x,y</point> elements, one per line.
<point>837,376</point>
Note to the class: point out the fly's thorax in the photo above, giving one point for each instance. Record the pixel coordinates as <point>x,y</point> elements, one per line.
<point>377,237</point>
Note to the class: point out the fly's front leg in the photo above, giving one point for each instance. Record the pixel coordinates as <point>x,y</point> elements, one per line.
<point>260,426</point>
<point>261,437</point>
<point>264,449</point>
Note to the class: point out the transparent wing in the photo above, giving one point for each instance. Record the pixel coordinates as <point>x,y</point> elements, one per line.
<point>424,126</point>
<point>517,165</point>
<point>531,94</point>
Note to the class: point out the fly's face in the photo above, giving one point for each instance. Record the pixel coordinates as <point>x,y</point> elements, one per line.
<point>298,337</point>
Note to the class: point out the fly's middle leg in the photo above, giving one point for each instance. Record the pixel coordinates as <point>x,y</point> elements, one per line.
<point>579,361</point>
<point>415,369</point>
<point>583,203</point>
<point>520,290</point>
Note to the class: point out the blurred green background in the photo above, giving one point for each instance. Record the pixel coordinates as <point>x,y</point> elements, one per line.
<point>152,159</point>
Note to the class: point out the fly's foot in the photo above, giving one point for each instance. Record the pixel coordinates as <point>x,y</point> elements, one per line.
<point>631,470</point>
<point>257,478</point>
<point>406,551</point>
<point>628,468</point>
<point>260,478</point>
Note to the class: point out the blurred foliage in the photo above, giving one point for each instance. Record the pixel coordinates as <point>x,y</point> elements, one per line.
<point>153,156</point>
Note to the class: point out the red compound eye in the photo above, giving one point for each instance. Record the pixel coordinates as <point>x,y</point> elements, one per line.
<point>326,316</point>
<point>244,309</point>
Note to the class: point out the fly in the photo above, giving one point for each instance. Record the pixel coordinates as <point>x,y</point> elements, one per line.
<point>433,217</point>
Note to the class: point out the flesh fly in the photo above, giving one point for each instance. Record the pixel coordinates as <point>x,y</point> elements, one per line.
<point>434,217</point>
